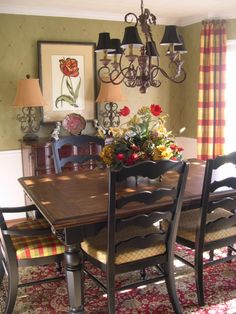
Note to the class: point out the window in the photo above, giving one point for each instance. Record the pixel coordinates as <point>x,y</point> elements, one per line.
<point>230,114</point>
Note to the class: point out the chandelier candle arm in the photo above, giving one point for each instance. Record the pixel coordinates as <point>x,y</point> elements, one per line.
<point>143,67</point>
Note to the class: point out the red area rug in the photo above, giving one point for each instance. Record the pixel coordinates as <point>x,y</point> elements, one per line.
<point>50,298</point>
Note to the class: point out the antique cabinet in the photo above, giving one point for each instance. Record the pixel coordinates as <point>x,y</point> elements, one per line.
<point>37,157</point>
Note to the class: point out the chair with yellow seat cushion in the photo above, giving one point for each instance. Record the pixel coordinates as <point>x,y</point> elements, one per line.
<point>214,224</point>
<point>136,241</point>
<point>28,243</point>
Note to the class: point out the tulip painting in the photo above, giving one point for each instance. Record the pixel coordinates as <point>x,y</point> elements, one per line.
<point>70,93</point>
<point>67,77</point>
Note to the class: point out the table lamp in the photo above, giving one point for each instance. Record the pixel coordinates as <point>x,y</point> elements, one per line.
<point>110,94</point>
<point>29,98</point>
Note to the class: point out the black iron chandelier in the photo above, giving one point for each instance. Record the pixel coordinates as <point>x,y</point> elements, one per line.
<point>121,64</point>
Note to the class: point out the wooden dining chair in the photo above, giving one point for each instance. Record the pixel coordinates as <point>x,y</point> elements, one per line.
<point>135,241</point>
<point>81,150</point>
<point>213,225</point>
<point>28,243</point>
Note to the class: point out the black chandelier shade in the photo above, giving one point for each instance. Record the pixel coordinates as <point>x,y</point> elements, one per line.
<point>131,37</point>
<point>181,48</point>
<point>151,49</point>
<point>104,42</point>
<point>116,46</point>
<point>170,36</point>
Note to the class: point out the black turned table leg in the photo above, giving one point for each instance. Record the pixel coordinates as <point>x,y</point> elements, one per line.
<point>74,276</point>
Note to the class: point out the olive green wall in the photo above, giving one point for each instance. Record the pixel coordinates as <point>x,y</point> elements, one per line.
<point>188,91</point>
<point>18,56</point>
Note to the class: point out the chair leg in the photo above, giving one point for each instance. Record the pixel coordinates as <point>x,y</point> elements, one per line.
<point>111,292</point>
<point>58,267</point>
<point>171,288</point>
<point>199,276</point>
<point>211,255</point>
<point>13,278</point>
<point>229,253</point>
<point>143,273</point>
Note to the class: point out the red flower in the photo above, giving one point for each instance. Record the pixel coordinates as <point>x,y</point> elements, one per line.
<point>132,159</point>
<point>173,146</point>
<point>180,149</point>
<point>120,156</point>
<point>134,156</point>
<point>124,111</point>
<point>155,110</point>
<point>69,67</point>
<point>135,148</point>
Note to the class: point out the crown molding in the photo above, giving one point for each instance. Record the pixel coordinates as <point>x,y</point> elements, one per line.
<point>61,13</point>
<point>196,19</point>
<point>37,11</point>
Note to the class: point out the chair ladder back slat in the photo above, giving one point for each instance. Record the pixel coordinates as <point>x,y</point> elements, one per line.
<point>228,203</point>
<point>143,220</point>
<point>150,171</point>
<point>141,242</point>
<point>146,197</point>
<point>228,182</point>
<point>221,160</point>
<point>220,223</point>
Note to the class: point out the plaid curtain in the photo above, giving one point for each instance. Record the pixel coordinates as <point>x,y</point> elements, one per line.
<point>211,95</point>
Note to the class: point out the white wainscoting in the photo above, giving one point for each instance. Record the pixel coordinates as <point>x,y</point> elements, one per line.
<point>190,146</point>
<point>11,193</point>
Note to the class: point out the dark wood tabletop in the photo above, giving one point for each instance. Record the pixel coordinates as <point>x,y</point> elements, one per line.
<point>79,198</point>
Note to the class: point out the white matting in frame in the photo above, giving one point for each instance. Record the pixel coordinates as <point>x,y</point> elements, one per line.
<point>67,76</point>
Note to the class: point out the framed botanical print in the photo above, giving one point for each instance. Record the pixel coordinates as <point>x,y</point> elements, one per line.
<point>67,77</point>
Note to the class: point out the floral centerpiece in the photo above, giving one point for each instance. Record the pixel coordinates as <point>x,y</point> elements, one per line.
<point>143,137</point>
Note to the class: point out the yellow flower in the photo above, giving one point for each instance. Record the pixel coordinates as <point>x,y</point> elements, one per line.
<point>162,130</point>
<point>133,121</point>
<point>162,152</point>
<point>144,110</point>
<point>101,134</point>
<point>107,154</point>
<point>118,132</point>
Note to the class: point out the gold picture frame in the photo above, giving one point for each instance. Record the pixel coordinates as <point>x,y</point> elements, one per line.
<point>67,78</point>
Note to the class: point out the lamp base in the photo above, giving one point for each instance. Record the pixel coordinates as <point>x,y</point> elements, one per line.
<point>30,137</point>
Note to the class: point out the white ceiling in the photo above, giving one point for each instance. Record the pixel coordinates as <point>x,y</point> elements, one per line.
<point>180,12</point>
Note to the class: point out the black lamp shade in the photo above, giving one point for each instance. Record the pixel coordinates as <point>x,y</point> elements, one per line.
<point>104,42</point>
<point>170,36</point>
<point>131,37</point>
<point>151,49</point>
<point>115,44</point>
<point>181,48</point>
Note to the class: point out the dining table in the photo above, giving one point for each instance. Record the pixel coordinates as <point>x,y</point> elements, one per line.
<point>75,205</point>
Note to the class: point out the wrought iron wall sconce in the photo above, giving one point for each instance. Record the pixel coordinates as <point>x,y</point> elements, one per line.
<point>110,94</point>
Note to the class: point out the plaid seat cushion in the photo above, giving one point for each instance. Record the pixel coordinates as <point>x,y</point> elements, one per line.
<point>97,246</point>
<point>188,224</point>
<point>35,246</point>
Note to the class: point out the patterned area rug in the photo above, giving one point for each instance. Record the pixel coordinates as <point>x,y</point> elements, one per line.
<point>50,298</point>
